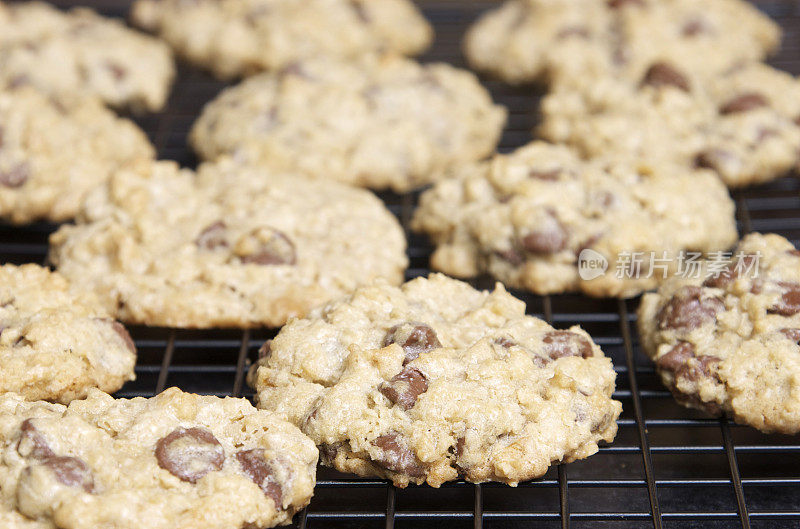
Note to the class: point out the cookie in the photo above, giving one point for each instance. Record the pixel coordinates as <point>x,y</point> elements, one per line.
<point>55,341</point>
<point>725,340</point>
<point>382,122</point>
<point>53,153</point>
<point>175,461</point>
<point>229,246</point>
<point>79,53</point>
<point>233,38</point>
<point>527,217</point>
<point>744,124</point>
<point>435,380</point>
<point>534,40</point>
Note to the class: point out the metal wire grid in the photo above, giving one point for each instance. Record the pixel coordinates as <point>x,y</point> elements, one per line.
<point>668,467</point>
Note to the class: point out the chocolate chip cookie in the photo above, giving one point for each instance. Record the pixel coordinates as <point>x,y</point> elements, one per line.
<point>175,461</point>
<point>379,122</point>
<point>79,53</point>
<point>743,124</point>
<point>435,380</point>
<point>55,341</point>
<point>241,37</point>
<point>726,341</point>
<point>527,218</point>
<point>53,153</point>
<point>229,246</point>
<point>529,40</point>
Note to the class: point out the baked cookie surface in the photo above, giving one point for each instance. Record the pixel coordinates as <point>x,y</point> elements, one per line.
<point>241,37</point>
<point>525,218</point>
<point>175,461</point>
<point>57,343</point>
<point>228,246</point>
<point>726,342</point>
<point>743,124</point>
<point>529,40</point>
<point>436,380</point>
<point>53,153</point>
<point>379,122</point>
<point>79,53</point>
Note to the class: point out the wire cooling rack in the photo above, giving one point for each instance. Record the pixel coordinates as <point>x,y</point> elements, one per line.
<point>668,467</point>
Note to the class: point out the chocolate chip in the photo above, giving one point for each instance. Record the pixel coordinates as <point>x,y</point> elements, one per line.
<point>212,236</point>
<point>695,26</point>
<point>550,175</point>
<point>122,332</point>
<point>190,453</point>
<point>730,273</point>
<point>32,443</point>
<point>361,11</point>
<point>676,357</point>
<point>715,159</point>
<point>512,256</point>
<point>268,246</point>
<point>117,71</point>
<point>663,74</point>
<point>461,444</point>
<point>16,176</point>
<point>792,334</point>
<point>789,304</point>
<point>573,31</point>
<point>689,309</point>
<point>682,363</point>
<point>262,472</point>
<point>397,457</point>
<point>794,252</point>
<point>504,342</point>
<point>744,103</point>
<point>404,388</point>
<point>414,338</point>
<point>616,4</point>
<point>550,238</point>
<point>560,344</point>
<point>265,350</point>
<point>71,471</point>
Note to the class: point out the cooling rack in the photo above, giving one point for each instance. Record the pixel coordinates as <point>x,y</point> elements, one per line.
<point>668,467</point>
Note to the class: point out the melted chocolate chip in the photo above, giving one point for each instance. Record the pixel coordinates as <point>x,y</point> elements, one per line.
<point>616,4</point>
<point>730,273</point>
<point>744,103</point>
<point>550,238</point>
<point>16,176</point>
<point>32,443</point>
<point>549,176</point>
<point>405,387</point>
<point>117,71</point>
<point>504,342</point>
<point>792,334</point>
<point>262,472</point>
<point>190,453</point>
<point>414,338</point>
<point>662,74</point>
<point>682,363</point>
<point>272,247</point>
<point>71,471</point>
<point>694,27</point>
<point>212,236</point>
<point>397,457</point>
<point>689,309</point>
<point>512,256</point>
<point>560,344</point>
<point>715,159</point>
<point>789,304</point>
<point>676,357</point>
<point>121,331</point>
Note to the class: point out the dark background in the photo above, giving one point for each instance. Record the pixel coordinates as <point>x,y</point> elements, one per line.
<point>669,467</point>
